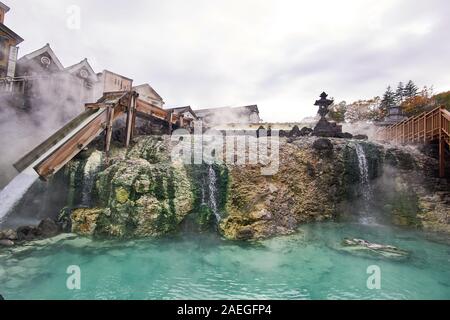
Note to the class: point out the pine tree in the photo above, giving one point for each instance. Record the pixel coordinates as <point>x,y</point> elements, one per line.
<point>411,90</point>
<point>400,93</point>
<point>388,100</point>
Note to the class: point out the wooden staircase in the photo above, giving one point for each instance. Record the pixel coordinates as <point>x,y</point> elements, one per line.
<point>52,154</point>
<point>424,128</point>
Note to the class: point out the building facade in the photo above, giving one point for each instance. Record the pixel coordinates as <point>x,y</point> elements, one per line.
<point>149,95</point>
<point>8,46</point>
<point>229,115</point>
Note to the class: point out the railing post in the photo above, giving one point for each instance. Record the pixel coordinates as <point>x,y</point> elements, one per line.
<point>441,147</point>
<point>109,123</point>
<point>130,114</point>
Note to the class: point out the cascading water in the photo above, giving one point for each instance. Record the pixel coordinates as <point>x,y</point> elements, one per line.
<point>364,184</point>
<point>15,190</point>
<point>363,172</point>
<point>212,187</point>
<point>91,169</point>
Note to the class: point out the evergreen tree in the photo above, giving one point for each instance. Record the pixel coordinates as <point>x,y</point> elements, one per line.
<point>411,90</point>
<point>388,100</point>
<point>400,93</point>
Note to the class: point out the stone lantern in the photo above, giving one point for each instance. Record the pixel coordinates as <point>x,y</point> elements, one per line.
<point>324,128</point>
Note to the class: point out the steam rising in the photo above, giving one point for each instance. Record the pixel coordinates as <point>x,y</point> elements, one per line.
<point>55,101</point>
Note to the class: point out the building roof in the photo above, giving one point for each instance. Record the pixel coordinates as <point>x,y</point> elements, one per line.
<point>4,6</point>
<point>178,110</point>
<point>10,33</point>
<point>116,74</point>
<point>148,87</point>
<point>45,49</point>
<point>80,65</point>
<point>249,109</point>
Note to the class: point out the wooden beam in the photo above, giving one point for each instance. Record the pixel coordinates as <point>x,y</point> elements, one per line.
<point>64,153</point>
<point>170,121</point>
<point>129,123</point>
<point>109,128</point>
<point>41,149</point>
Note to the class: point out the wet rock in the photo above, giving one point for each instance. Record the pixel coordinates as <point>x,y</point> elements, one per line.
<point>323,145</point>
<point>295,131</point>
<point>344,135</point>
<point>27,233</point>
<point>365,248</point>
<point>48,228</point>
<point>8,234</point>
<point>84,221</point>
<point>360,137</point>
<point>305,131</point>
<point>6,243</point>
<point>283,133</point>
<point>245,233</point>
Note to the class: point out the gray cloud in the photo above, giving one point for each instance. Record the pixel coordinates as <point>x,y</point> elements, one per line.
<point>278,54</point>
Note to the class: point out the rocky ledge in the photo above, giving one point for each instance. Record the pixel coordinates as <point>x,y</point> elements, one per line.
<point>142,193</point>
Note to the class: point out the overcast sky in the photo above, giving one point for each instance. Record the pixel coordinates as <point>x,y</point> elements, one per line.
<point>278,54</point>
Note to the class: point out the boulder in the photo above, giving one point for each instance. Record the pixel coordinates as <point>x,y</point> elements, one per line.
<point>27,233</point>
<point>365,248</point>
<point>6,243</point>
<point>295,132</point>
<point>8,234</point>
<point>323,145</point>
<point>305,131</point>
<point>360,137</point>
<point>48,228</point>
<point>344,135</point>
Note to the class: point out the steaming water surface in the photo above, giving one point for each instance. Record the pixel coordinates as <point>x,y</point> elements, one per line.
<point>305,265</point>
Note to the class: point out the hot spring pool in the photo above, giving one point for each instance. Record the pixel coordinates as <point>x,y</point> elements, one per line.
<point>305,265</point>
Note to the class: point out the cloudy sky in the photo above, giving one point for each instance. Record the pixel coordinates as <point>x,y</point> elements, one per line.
<point>278,54</point>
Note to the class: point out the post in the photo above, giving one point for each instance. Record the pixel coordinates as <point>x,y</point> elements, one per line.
<point>109,122</point>
<point>130,115</point>
<point>170,121</point>
<point>442,143</point>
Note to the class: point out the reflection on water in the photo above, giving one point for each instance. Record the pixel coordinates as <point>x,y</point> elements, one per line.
<point>305,265</point>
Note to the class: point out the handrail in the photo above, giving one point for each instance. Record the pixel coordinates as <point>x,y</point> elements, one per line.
<point>428,126</point>
<point>425,127</point>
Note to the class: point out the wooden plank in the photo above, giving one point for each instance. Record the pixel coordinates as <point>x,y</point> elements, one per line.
<point>109,128</point>
<point>129,121</point>
<point>42,148</point>
<point>81,139</point>
<point>71,148</point>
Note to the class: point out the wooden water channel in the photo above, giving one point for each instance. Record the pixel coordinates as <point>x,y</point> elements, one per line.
<point>52,154</point>
<point>431,126</point>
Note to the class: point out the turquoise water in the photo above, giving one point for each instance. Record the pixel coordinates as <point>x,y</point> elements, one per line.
<point>305,265</point>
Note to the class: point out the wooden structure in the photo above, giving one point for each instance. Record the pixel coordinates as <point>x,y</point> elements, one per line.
<point>51,155</point>
<point>432,126</point>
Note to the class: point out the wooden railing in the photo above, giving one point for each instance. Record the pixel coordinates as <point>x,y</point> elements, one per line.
<point>429,126</point>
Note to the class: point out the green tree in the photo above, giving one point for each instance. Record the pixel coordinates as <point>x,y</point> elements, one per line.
<point>400,93</point>
<point>442,99</point>
<point>388,100</point>
<point>411,90</point>
<point>419,103</point>
<point>337,112</point>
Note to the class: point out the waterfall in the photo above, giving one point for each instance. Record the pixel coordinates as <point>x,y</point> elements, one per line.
<point>363,172</point>
<point>15,190</point>
<point>212,186</point>
<point>91,168</point>
<point>364,184</point>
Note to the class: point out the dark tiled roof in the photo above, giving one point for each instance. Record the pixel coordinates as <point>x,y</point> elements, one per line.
<point>11,33</point>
